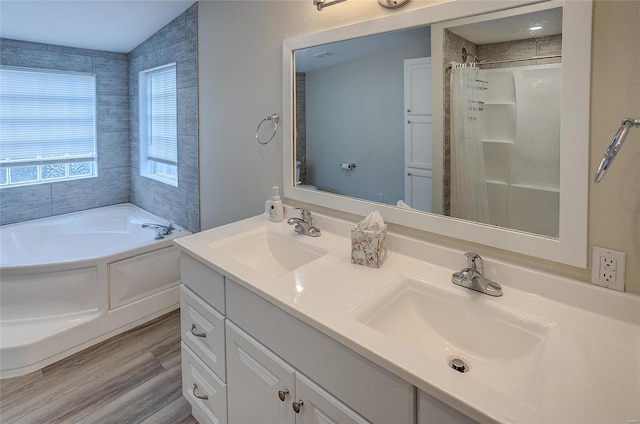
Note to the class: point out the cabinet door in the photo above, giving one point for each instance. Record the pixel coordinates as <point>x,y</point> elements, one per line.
<point>317,406</point>
<point>256,379</point>
<point>431,410</point>
<point>418,189</point>
<point>417,86</point>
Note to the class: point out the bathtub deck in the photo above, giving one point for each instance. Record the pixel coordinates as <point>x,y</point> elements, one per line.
<point>131,378</point>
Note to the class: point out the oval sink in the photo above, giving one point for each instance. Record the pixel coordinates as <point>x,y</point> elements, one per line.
<point>448,322</point>
<point>270,253</point>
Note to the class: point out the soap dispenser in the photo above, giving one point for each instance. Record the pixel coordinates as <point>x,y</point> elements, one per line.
<point>276,210</point>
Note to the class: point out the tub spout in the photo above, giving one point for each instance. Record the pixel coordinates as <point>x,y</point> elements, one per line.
<point>161,230</point>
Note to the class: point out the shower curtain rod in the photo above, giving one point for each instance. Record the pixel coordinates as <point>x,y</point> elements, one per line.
<point>493,62</point>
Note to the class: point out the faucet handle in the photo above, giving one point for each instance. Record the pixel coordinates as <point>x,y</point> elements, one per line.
<point>304,213</point>
<point>474,261</point>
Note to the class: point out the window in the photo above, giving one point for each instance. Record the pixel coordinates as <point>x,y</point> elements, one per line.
<point>47,126</point>
<point>158,124</point>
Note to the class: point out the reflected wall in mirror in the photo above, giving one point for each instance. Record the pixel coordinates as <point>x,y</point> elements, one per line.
<point>349,109</point>
<point>367,101</point>
<point>387,111</point>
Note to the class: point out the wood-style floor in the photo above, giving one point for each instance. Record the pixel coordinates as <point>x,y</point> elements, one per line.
<point>131,378</point>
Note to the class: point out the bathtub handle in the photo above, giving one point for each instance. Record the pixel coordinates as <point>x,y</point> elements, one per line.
<point>203,397</point>
<point>193,331</point>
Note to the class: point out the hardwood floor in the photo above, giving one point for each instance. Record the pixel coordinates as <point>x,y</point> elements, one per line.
<point>134,377</point>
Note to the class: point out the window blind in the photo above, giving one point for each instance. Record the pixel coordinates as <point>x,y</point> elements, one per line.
<point>46,117</point>
<point>162,116</point>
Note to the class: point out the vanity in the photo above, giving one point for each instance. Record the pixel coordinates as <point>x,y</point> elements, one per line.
<point>279,326</point>
<point>282,327</point>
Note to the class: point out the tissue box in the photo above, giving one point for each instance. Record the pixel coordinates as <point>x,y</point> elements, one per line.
<point>369,247</point>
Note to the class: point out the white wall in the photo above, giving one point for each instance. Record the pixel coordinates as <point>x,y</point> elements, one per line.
<point>347,121</point>
<point>240,83</point>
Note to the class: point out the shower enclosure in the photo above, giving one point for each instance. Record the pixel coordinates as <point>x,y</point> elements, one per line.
<point>518,128</point>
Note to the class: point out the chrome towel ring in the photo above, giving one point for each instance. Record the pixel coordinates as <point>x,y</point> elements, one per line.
<point>614,146</point>
<point>274,119</point>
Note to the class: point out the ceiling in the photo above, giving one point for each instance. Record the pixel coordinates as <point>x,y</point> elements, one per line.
<point>325,55</point>
<point>112,25</point>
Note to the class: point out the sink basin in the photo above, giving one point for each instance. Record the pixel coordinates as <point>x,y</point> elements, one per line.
<point>270,253</point>
<point>446,323</point>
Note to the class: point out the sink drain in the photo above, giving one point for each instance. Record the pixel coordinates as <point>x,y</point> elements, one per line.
<point>458,365</point>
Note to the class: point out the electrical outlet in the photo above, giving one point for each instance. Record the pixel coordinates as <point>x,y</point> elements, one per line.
<point>607,268</point>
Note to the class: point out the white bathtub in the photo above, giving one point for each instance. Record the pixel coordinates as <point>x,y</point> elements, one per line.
<point>70,281</point>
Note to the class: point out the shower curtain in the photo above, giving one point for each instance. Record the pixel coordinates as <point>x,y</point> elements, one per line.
<point>468,186</point>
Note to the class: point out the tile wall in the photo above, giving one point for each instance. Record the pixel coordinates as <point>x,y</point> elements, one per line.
<point>111,186</point>
<point>176,42</point>
<point>119,179</point>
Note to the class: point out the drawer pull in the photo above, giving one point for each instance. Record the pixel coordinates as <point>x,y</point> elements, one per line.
<point>203,397</point>
<point>282,394</point>
<point>193,331</point>
<point>297,405</point>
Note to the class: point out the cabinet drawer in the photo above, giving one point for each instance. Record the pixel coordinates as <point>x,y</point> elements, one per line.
<point>204,281</point>
<point>204,391</point>
<point>202,329</point>
<point>373,392</point>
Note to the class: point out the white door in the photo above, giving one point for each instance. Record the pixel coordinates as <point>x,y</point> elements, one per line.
<point>257,380</point>
<point>317,406</point>
<point>418,133</point>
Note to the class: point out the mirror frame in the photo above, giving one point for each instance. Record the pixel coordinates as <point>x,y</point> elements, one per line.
<point>571,246</point>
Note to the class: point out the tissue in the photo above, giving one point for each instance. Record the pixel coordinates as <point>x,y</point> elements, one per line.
<point>373,221</point>
<point>369,241</point>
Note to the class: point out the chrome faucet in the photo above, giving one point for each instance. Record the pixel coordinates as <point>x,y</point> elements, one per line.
<point>161,230</point>
<point>304,224</point>
<point>473,277</point>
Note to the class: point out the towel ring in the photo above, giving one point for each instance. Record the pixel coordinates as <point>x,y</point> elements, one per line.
<point>275,118</point>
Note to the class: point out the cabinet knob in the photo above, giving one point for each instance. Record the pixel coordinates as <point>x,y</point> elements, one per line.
<point>195,388</point>
<point>282,394</point>
<point>408,122</point>
<point>193,331</point>
<point>297,405</point>
<point>408,110</point>
<point>409,173</point>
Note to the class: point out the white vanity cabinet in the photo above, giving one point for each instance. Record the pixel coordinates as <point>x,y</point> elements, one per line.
<point>371,391</point>
<point>203,341</point>
<point>264,388</point>
<point>240,351</point>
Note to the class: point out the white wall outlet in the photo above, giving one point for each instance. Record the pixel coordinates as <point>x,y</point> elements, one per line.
<point>607,268</point>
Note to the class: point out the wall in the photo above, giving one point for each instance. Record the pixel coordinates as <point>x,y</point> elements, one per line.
<point>614,203</point>
<point>352,123</point>
<point>176,42</point>
<point>111,186</point>
<point>239,91</point>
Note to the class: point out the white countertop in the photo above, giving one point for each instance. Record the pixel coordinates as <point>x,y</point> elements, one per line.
<point>588,371</point>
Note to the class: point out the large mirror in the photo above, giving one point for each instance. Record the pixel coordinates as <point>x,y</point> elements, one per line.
<point>461,118</point>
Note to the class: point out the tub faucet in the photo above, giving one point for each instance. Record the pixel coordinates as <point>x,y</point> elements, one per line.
<point>304,224</point>
<point>161,230</point>
<point>473,277</point>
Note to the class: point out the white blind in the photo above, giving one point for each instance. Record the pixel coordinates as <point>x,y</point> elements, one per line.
<point>163,116</point>
<point>46,115</point>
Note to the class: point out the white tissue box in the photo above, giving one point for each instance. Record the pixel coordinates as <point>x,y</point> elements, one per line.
<point>369,247</point>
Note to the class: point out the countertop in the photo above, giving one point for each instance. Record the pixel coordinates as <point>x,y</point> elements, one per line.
<point>588,370</point>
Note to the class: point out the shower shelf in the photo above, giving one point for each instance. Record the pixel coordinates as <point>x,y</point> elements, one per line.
<point>496,182</point>
<point>499,103</point>
<point>537,187</point>
<point>499,141</point>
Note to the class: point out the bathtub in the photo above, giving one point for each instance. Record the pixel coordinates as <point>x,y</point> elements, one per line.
<point>70,281</point>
